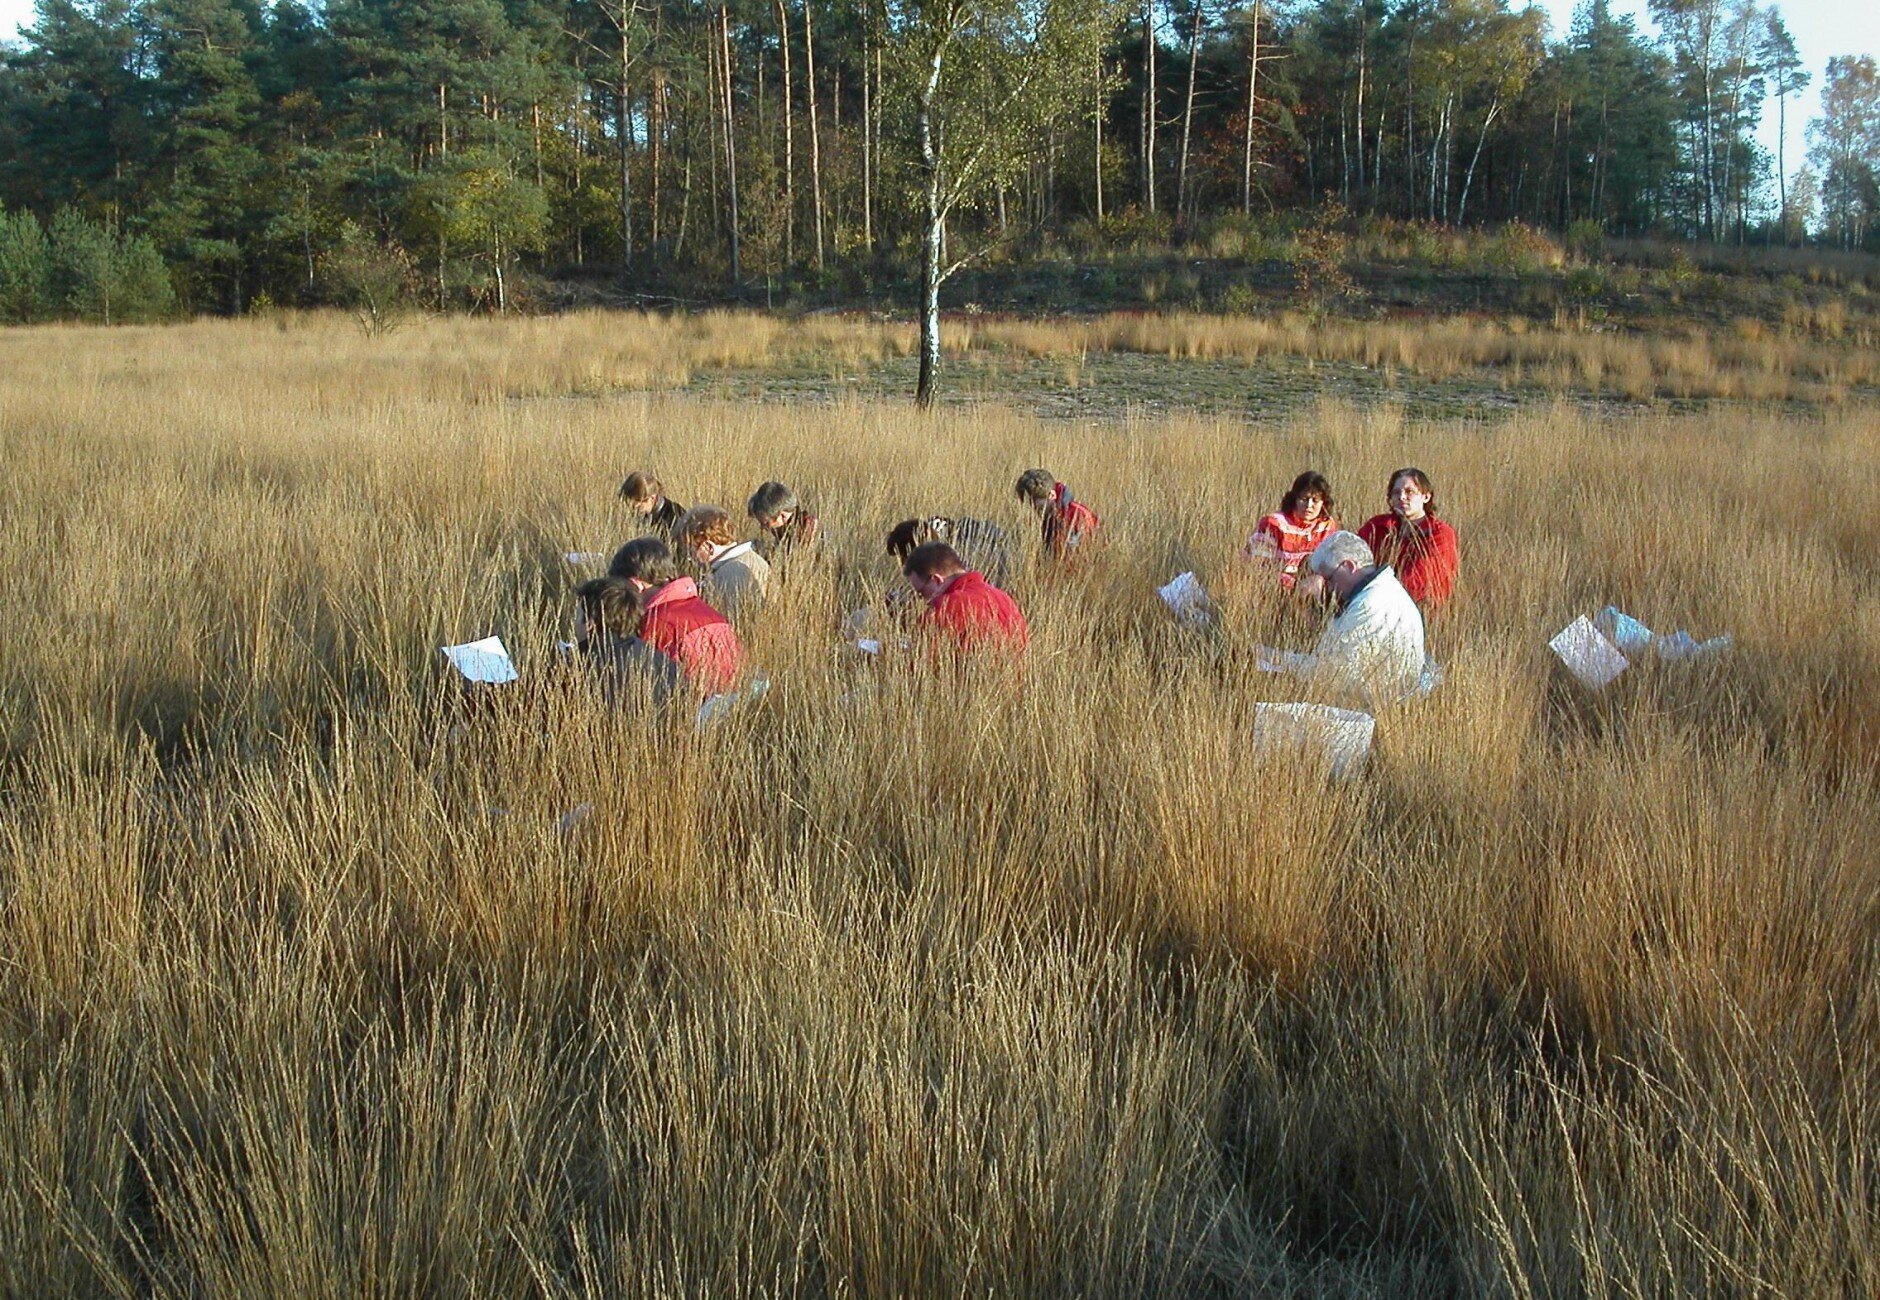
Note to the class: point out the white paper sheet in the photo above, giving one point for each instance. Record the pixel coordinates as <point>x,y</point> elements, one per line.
<point>715,707</point>
<point>1343,736</point>
<point>1587,654</point>
<point>868,646</point>
<point>1187,600</point>
<point>482,661</point>
<point>582,559</point>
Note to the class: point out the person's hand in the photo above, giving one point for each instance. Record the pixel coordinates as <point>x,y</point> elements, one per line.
<point>1310,587</point>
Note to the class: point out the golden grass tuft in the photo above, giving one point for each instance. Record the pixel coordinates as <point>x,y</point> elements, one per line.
<point>888,986</point>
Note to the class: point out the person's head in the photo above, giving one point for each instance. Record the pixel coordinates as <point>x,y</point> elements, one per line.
<point>643,492</point>
<point>773,506</point>
<point>910,533</point>
<point>644,562</point>
<point>929,565</point>
<point>704,531</point>
<point>1343,560</point>
<point>610,605</point>
<point>1410,494</point>
<point>1035,486</point>
<point>1309,499</point>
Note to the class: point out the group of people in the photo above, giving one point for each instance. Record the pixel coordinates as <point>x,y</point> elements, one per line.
<point>648,620</point>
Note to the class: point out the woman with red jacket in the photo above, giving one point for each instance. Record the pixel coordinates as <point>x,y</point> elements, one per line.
<point>1421,548</point>
<point>675,619</point>
<point>1287,537</point>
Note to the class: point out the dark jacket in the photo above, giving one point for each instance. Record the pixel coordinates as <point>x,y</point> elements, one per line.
<point>665,518</point>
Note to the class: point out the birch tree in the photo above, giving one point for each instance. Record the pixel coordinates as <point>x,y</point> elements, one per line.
<point>988,82</point>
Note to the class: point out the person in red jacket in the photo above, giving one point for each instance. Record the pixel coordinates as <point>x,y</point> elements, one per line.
<point>1416,544</point>
<point>963,609</point>
<point>1068,523</point>
<point>675,620</point>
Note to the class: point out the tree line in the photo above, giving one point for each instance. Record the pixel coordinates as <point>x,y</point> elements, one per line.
<point>296,152</point>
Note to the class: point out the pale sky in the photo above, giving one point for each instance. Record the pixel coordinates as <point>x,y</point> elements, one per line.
<point>1822,29</point>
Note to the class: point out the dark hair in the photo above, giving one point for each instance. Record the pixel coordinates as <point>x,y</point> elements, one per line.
<point>611,604</point>
<point>769,499</point>
<point>1418,477</point>
<point>647,559</point>
<point>932,560</point>
<point>1309,484</point>
<point>1036,485</point>
<point>910,533</point>
<point>640,486</point>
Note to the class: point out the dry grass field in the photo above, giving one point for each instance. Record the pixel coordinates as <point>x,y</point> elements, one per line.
<point>888,985</point>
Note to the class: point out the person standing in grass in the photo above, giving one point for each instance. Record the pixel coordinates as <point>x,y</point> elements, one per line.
<point>1286,538</point>
<point>740,577</point>
<point>786,525</point>
<point>1372,650</point>
<point>1421,548</point>
<point>964,611</point>
<point>1067,522</point>
<point>647,499</point>
<point>982,546</point>
<point>676,620</point>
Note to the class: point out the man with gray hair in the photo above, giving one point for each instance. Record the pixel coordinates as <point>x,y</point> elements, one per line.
<point>1373,648</point>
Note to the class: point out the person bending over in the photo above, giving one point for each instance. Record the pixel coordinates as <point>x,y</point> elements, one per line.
<point>649,501</point>
<point>677,621</point>
<point>982,546</point>
<point>1067,522</point>
<point>1413,541</point>
<point>1287,537</point>
<point>608,615</point>
<point>740,577</point>
<point>964,611</point>
<point>1373,648</point>
<point>786,525</point>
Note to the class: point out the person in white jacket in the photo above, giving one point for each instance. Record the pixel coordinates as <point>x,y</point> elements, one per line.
<point>1372,651</point>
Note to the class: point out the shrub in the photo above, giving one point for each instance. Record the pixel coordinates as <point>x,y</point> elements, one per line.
<point>25,269</point>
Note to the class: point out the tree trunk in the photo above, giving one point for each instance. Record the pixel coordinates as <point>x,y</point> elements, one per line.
<point>1148,106</point>
<point>731,140</point>
<point>1253,100</point>
<point>624,138</point>
<point>933,237</point>
<point>1097,170</point>
<point>1182,203</point>
<point>1462,205</point>
<point>789,137</point>
<point>815,134</point>
<point>868,145</point>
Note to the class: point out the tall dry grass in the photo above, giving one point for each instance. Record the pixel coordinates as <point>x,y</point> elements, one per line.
<point>887,986</point>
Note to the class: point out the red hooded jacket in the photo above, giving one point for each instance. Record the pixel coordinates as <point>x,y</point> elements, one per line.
<point>1424,554</point>
<point>681,626</point>
<point>1068,522</point>
<point>976,614</point>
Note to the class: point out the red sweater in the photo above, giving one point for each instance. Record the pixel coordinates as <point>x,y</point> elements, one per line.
<point>681,626</point>
<point>1281,540</point>
<point>1424,554</point>
<point>974,613</point>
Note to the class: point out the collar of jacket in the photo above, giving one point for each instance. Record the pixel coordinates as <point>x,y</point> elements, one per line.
<point>1377,571</point>
<point>742,548</point>
<point>676,590</point>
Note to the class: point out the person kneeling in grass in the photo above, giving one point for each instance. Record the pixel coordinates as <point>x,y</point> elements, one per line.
<point>964,611</point>
<point>981,545</point>
<point>1373,648</point>
<point>1286,538</point>
<point>740,577</point>
<point>677,622</point>
<point>647,499</point>
<point>1067,522</point>
<point>609,614</point>
<point>787,525</point>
